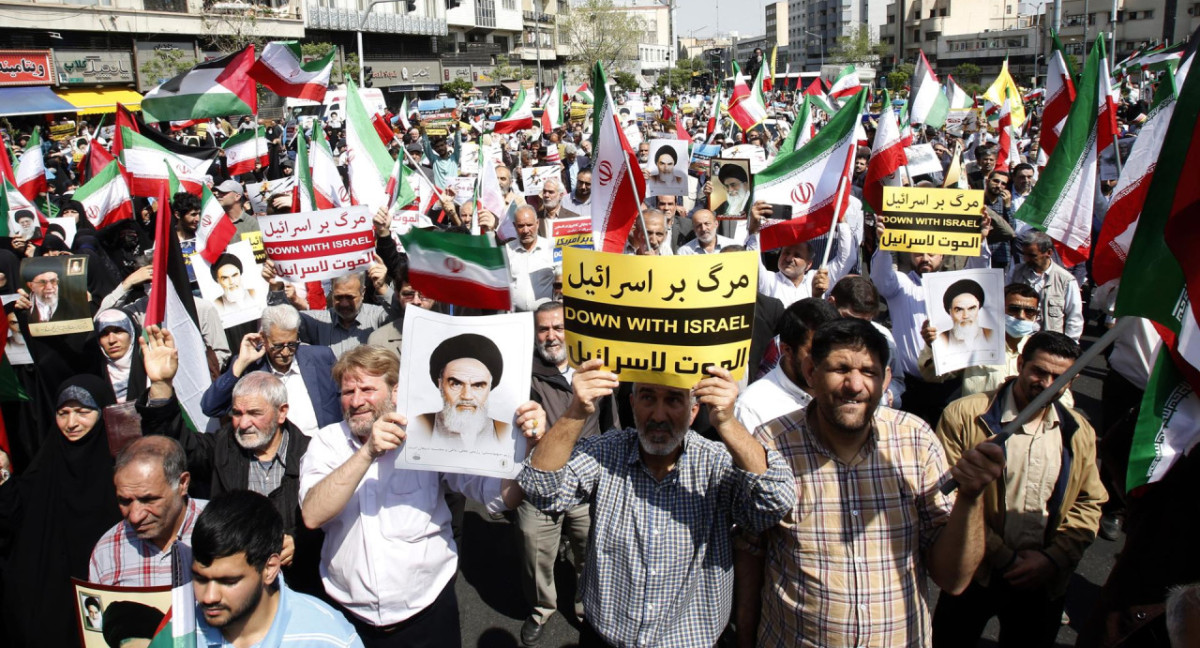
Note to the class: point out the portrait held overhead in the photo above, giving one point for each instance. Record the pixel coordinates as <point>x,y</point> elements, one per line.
<point>600,325</point>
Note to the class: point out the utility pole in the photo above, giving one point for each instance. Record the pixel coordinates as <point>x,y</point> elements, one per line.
<point>362,24</point>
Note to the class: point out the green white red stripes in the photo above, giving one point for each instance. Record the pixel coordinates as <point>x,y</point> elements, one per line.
<point>746,106</point>
<point>105,198</point>
<point>147,163</point>
<point>245,150</point>
<point>216,88</point>
<point>617,181</point>
<point>887,156</point>
<point>928,104</point>
<point>31,168</point>
<point>458,269</point>
<point>282,69</point>
<point>370,163</point>
<point>519,116</point>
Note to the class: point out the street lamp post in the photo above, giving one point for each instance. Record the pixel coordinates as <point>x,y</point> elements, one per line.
<point>362,24</point>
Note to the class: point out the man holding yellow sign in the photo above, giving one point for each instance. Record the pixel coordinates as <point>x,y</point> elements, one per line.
<point>931,220</point>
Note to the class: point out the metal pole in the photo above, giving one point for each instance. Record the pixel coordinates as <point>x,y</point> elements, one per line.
<point>362,24</point>
<point>537,43</point>
<point>1051,393</point>
<point>1112,26</point>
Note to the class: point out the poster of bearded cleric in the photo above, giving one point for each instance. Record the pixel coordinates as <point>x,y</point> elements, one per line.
<point>730,182</point>
<point>57,288</point>
<point>461,381</point>
<point>233,284</point>
<point>967,309</point>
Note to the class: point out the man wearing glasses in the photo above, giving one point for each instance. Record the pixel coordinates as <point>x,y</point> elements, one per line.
<point>306,372</point>
<point>47,305</point>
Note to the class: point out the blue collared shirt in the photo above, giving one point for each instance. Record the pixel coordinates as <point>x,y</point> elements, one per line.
<point>660,557</point>
<point>301,621</point>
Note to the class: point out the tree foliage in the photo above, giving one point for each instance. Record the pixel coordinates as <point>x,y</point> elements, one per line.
<point>967,73</point>
<point>457,87</point>
<point>598,33</point>
<point>859,47</point>
<point>314,51</point>
<point>680,77</point>
<point>505,70</point>
<point>625,81</point>
<point>167,64</point>
<point>899,77</point>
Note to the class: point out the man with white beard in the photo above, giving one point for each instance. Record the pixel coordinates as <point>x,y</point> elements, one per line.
<point>963,301</point>
<point>707,241</point>
<point>465,368</point>
<point>227,272</point>
<point>737,190</point>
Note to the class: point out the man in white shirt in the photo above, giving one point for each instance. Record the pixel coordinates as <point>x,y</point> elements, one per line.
<point>389,557</point>
<point>783,390</point>
<point>797,277</point>
<point>579,202</point>
<point>707,241</point>
<point>530,262</point>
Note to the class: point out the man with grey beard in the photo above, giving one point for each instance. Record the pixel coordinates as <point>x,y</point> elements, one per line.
<point>259,449</point>
<point>664,501</point>
<point>542,532</point>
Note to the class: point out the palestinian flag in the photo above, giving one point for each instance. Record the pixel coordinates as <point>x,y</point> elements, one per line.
<point>617,180</point>
<point>802,128</point>
<point>846,84</point>
<point>519,116</point>
<point>105,197</point>
<point>1060,94</point>
<point>458,269</point>
<point>282,69</point>
<point>552,110</point>
<point>1062,201</point>
<point>820,100</point>
<point>170,306</point>
<point>31,168</point>
<point>247,150</point>
<point>887,156</point>
<point>959,99</point>
<point>217,88</point>
<point>178,628</point>
<point>996,93</point>
<point>1164,59</point>
<point>125,119</point>
<point>370,162</point>
<point>929,105</point>
<point>148,159</point>
<point>584,95</point>
<point>812,180</point>
<point>1121,220</point>
<point>746,107</point>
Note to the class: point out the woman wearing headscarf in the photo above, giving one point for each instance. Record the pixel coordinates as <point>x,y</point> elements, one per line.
<point>53,513</point>
<point>118,335</point>
<point>10,270</point>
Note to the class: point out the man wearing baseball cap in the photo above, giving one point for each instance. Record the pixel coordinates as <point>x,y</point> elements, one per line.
<point>230,194</point>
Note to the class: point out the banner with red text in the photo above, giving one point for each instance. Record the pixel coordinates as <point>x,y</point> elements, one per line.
<point>319,245</point>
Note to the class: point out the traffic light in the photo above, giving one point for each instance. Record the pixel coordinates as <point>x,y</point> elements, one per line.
<point>450,4</point>
<point>411,5</point>
<point>367,81</point>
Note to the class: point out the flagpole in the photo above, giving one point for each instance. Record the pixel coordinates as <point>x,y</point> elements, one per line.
<point>640,215</point>
<point>1051,393</point>
<point>837,204</point>
<point>416,166</point>
<point>1117,152</point>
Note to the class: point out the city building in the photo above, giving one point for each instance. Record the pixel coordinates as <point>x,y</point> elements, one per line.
<point>777,29</point>
<point>814,26</point>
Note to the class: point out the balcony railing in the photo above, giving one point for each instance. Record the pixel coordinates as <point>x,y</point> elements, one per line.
<point>346,20</point>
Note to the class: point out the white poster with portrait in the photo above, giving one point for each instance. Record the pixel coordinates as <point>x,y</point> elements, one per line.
<point>668,168</point>
<point>16,350</point>
<point>967,309</point>
<point>532,178</point>
<point>233,284</point>
<point>461,381</point>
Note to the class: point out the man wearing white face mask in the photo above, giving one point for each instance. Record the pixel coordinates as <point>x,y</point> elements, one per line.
<point>1021,308</point>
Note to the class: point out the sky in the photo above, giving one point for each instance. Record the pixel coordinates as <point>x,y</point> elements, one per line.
<point>694,18</point>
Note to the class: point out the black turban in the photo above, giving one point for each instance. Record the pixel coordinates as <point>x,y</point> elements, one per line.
<point>129,620</point>
<point>734,171</point>
<point>224,260</point>
<point>467,345</point>
<point>667,150</point>
<point>960,287</point>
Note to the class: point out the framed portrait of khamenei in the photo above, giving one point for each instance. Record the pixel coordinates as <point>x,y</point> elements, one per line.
<point>461,381</point>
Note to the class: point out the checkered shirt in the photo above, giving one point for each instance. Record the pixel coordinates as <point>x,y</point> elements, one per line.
<point>122,558</point>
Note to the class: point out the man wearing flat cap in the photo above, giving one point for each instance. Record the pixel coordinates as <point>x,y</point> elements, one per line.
<point>963,300</point>
<point>227,272</point>
<point>465,368</point>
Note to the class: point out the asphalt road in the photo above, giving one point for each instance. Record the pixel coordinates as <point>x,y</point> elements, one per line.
<point>492,608</point>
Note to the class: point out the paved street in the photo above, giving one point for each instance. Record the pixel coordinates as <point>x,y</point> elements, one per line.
<point>492,607</point>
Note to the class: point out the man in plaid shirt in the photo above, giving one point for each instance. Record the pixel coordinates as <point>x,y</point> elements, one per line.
<point>847,566</point>
<point>664,501</point>
<point>152,545</point>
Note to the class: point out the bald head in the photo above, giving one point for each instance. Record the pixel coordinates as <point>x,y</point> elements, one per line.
<point>526,223</point>
<point>704,224</point>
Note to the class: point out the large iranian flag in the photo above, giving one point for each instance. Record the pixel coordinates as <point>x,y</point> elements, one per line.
<point>282,69</point>
<point>31,168</point>
<point>370,163</point>
<point>1060,94</point>
<point>746,106</point>
<point>811,180</point>
<point>846,84</point>
<point>887,156</point>
<point>328,187</point>
<point>147,162</point>
<point>617,181</point>
<point>215,229</point>
<point>519,116</point>
<point>928,105</point>
<point>216,88</point>
<point>105,198</point>
<point>803,128</point>
<point>246,150</point>
<point>1007,155</point>
<point>552,110</point>
<point>458,269</point>
<point>1062,200</point>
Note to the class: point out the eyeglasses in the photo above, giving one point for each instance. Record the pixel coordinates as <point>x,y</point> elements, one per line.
<point>46,282</point>
<point>410,294</point>
<point>1018,310</point>
<point>290,346</point>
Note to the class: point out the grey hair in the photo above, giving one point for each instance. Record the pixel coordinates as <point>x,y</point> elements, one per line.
<point>157,449</point>
<point>547,306</point>
<point>1039,240</point>
<point>1182,604</point>
<point>691,394</point>
<point>283,317</point>
<point>361,277</point>
<point>555,181</point>
<point>262,383</point>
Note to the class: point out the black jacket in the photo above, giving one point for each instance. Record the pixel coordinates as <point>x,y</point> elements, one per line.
<point>550,389</point>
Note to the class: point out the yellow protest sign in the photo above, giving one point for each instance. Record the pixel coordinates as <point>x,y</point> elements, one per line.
<point>931,220</point>
<point>660,319</point>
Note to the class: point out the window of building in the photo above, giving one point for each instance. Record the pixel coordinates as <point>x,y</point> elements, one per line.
<point>508,4</point>
<point>891,19</point>
<point>943,12</point>
<point>1147,14</point>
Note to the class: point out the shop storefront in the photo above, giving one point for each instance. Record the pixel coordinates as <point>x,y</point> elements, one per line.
<point>96,81</point>
<point>25,80</point>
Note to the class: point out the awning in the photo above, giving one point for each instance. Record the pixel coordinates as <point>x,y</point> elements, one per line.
<point>97,100</point>
<point>31,100</point>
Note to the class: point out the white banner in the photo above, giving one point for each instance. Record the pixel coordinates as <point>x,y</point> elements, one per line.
<point>319,245</point>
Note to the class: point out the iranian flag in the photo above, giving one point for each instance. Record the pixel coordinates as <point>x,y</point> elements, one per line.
<point>552,110</point>
<point>105,197</point>
<point>802,128</point>
<point>31,168</point>
<point>370,163</point>
<point>6,168</point>
<point>1061,202</point>
<point>329,190</point>
<point>1060,94</point>
<point>1121,220</point>
<point>247,150</point>
<point>403,116</point>
<point>13,201</point>
<point>124,119</point>
<point>148,161</point>
<point>217,88</point>
<point>846,84</point>
<point>746,107</point>
<point>1162,280</point>
<point>1106,120</point>
<point>178,628</point>
<point>887,156</point>
<point>817,94</point>
<point>1007,155</point>
<point>811,180</point>
<point>215,229</point>
<point>458,269</point>
<point>519,116</point>
<point>170,306</point>
<point>617,180</point>
<point>490,195</point>
<point>282,69</point>
<point>929,105</point>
